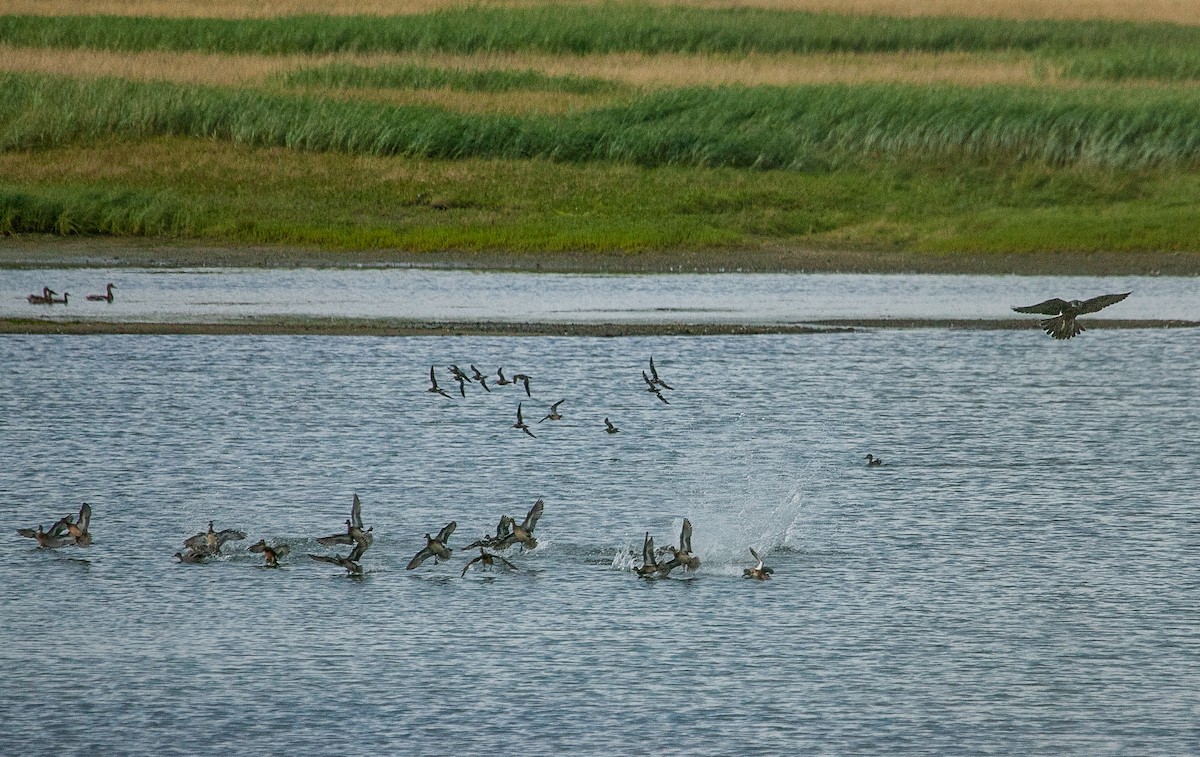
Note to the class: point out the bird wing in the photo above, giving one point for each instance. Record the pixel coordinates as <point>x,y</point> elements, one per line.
<point>554,407</point>
<point>526,430</point>
<point>419,558</point>
<point>85,517</point>
<point>356,513</point>
<point>281,550</point>
<point>29,533</point>
<point>229,534</point>
<point>531,519</point>
<point>444,534</point>
<point>335,559</point>
<point>470,562</point>
<point>432,378</point>
<point>520,419</point>
<point>648,550</point>
<point>756,557</point>
<point>1049,307</point>
<point>649,383</point>
<point>507,564</point>
<point>199,541</point>
<point>61,526</point>
<point>259,546</point>
<point>505,527</point>
<point>685,536</point>
<point>329,541</point>
<point>1101,302</point>
<point>359,549</point>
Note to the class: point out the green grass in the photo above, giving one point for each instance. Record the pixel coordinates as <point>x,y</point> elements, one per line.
<point>220,193</point>
<point>567,29</point>
<point>807,128</point>
<point>347,75</point>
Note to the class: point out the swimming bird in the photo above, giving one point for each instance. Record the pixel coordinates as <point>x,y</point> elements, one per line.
<point>481,379</point>
<point>521,422</point>
<point>502,530</point>
<point>352,568</point>
<point>554,414</point>
<point>79,528</point>
<point>501,380</point>
<point>435,389</point>
<point>63,301</point>
<point>435,547</point>
<point>874,462</point>
<point>524,380</point>
<point>355,534</point>
<point>487,558</point>
<point>759,571</point>
<point>523,533</point>
<point>210,541</point>
<point>654,376</point>
<point>682,556</point>
<point>191,557</point>
<point>649,567</point>
<point>45,539</point>
<point>103,297</point>
<point>45,298</point>
<point>610,428</point>
<point>271,554</point>
<point>1063,325</point>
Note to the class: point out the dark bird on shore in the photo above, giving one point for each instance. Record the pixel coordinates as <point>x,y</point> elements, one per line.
<point>524,380</point>
<point>210,541</point>
<point>554,415</point>
<point>434,388</point>
<point>79,528</point>
<point>654,376</point>
<point>481,379</point>
<point>874,462</point>
<point>270,554</point>
<point>1063,325</point>
<point>352,568</point>
<point>502,530</point>
<point>610,428</point>
<point>52,539</point>
<point>759,571</point>
<point>435,547</point>
<point>45,298</point>
<point>488,559</point>
<point>500,379</point>
<point>521,424</point>
<point>522,533</point>
<point>103,297</point>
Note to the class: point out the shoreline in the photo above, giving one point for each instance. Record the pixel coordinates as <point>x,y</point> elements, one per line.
<point>38,251</point>
<point>398,328</point>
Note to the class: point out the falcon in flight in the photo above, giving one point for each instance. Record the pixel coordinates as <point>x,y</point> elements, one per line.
<point>1063,325</point>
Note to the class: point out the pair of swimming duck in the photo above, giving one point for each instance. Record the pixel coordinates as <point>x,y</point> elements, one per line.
<point>69,530</point>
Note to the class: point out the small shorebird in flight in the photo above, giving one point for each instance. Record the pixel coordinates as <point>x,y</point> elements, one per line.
<point>435,547</point>
<point>759,571</point>
<point>103,297</point>
<point>554,414</point>
<point>481,379</point>
<point>524,380</point>
<point>523,532</point>
<point>653,388</point>
<point>1063,324</point>
<point>461,378</point>
<point>521,422</point>
<point>434,388</point>
<point>487,558</point>
<point>654,376</point>
<point>610,428</point>
<point>501,380</point>
<point>271,554</point>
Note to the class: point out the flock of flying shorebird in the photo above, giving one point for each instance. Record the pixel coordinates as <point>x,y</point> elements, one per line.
<point>73,530</point>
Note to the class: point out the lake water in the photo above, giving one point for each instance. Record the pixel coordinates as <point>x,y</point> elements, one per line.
<point>1022,578</point>
<point>191,295</point>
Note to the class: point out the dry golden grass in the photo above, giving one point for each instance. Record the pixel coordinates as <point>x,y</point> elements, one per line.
<point>1176,11</point>
<point>634,69</point>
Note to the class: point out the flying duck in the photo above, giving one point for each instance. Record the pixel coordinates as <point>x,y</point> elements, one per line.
<point>554,414</point>
<point>682,556</point>
<point>487,558</point>
<point>45,298</point>
<point>759,571</point>
<point>1063,325</point>
<point>435,389</point>
<point>521,423</point>
<point>79,529</point>
<point>650,566</point>
<point>51,539</point>
<point>435,547</point>
<point>271,554</point>
<point>103,297</point>
<point>210,541</point>
<point>523,533</point>
<point>610,428</point>
<point>502,530</point>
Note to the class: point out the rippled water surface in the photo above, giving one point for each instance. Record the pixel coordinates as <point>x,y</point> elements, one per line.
<point>229,294</point>
<point>1022,578</point>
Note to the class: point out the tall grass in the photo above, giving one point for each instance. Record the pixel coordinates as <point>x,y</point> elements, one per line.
<point>1120,63</point>
<point>70,212</point>
<point>812,127</point>
<point>566,29</point>
<point>412,76</point>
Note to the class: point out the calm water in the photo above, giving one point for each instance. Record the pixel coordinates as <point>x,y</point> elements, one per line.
<point>414,294</point>
<point>1023,578</point>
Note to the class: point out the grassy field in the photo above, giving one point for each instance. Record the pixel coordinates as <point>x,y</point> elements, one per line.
<point>648,132</point>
